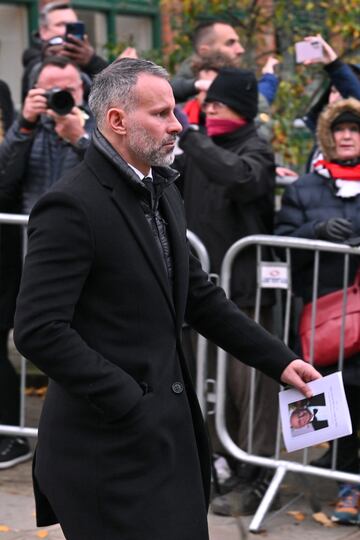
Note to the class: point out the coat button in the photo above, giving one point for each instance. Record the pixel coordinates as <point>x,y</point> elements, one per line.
<point>177,387</point>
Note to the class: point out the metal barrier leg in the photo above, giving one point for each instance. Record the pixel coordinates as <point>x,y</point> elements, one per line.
<point>267,499</point>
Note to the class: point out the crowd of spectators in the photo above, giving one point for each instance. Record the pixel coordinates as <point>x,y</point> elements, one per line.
<point>227,179</point>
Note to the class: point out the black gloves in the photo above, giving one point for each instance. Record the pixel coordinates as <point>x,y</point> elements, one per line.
<point>334,229</point>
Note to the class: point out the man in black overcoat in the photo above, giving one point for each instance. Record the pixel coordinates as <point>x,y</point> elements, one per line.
<point>107,283</point>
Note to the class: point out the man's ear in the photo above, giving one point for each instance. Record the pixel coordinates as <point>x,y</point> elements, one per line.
<point>203,50</point>
<point>116,119</point>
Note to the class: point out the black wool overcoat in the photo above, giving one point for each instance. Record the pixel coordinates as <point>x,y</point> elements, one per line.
<point>122,451</point>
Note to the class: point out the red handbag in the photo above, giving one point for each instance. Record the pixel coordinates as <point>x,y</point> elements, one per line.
<point>328,326</point>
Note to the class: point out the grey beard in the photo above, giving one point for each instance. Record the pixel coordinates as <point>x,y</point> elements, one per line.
<point>158,160</point>
<point>143,146</point>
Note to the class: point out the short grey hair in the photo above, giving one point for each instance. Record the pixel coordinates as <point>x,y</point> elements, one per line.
<point>49,8</point>
<point>114,86</point>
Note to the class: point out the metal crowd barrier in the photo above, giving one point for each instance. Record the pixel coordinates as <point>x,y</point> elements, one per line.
<point>20,430</point>
<point>201,344</point>
<point>281,466</point>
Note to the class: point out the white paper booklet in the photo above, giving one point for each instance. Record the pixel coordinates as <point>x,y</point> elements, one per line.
<point>323,417</point>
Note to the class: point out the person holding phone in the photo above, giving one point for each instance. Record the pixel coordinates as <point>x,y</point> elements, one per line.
<point>343,82</point>
<point>59,35</point>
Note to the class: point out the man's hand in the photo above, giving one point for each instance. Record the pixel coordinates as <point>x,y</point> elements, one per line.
<point>202,85</point>
<point>78,50</point>
<point>284,171</point>
<point>70,126</point>
<point>35,104</point>
<point>269,65</point>
<point>297,374</point>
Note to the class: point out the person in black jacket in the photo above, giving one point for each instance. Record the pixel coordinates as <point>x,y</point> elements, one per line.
<point>228,189</point>
<point>11,450</point>
<point>325,205</point>
<point>6,109</point>
<point>38,147</point>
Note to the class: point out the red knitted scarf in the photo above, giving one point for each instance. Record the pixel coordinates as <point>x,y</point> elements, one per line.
<point>336,170</point>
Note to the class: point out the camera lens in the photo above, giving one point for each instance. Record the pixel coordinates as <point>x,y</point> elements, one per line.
<point>60,101</point>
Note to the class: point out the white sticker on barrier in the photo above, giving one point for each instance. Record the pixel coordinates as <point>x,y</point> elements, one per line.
<point>274,275</point>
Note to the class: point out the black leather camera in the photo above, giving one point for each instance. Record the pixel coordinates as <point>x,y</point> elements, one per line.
<point>60,101</point>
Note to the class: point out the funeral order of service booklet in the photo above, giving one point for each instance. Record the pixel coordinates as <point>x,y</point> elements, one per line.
<point>323,417</point>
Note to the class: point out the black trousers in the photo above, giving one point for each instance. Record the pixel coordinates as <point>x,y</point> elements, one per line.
<point>9,385</point>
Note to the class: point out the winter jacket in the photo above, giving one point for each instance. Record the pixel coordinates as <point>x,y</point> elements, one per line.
<point>228,194</point>
<point>31,162</point>
<point>6,108</point>
<point>310,200</point>
<point>121,424</point>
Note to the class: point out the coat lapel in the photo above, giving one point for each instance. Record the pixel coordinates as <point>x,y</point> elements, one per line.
<point>173,214</point>
<point>127,203</point>
<point>129,206</point>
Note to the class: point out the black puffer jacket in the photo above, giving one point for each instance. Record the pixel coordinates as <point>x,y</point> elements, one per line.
<point>305,203</point>
<point>228,194</point>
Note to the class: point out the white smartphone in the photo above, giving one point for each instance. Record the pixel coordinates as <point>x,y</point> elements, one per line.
<point>308,50</point>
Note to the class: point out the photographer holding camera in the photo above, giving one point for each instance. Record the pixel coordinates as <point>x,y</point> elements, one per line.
<point>49,138</point>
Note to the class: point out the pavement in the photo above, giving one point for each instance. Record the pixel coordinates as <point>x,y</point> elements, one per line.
<point>294,521</point>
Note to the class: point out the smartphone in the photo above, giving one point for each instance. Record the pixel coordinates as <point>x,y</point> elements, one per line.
<point>76,29</point>
<point>308,50</point>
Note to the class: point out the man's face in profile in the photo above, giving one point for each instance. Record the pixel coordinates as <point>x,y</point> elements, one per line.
<point>152,126</point>
<point>226,41</point>
<point>300,417</point>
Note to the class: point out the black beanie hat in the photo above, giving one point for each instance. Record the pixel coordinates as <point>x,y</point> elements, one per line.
<point>346,116</point>
<point>236,88</point>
